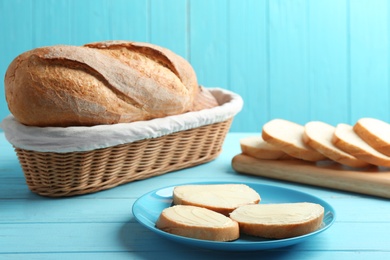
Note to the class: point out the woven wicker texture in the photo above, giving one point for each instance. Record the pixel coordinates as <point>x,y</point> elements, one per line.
<point>75,173</point>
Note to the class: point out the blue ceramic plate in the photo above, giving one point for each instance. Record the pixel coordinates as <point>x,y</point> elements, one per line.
<point>147,209</point>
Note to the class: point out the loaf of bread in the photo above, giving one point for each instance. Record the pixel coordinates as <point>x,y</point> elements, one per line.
<point>319,136</point>
<point>278,221</point>
<point>287,136</point>
<point>101,83</point>
<point>221,198</point>
<point>197,222</point>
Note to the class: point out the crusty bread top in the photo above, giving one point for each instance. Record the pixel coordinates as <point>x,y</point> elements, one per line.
<point>139,54</point>
<point>346,139</point>
<point>288,137</point>
<point>197,222</point>
<point>101,83</point>
<point>222,198</point>
<point>256,147</point>
<point>375,132</point>
<point>319,136</point>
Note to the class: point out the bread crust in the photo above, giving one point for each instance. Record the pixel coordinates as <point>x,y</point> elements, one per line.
<point>100,83</point>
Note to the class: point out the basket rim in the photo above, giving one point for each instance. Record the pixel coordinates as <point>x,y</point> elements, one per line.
<point>81,138</point>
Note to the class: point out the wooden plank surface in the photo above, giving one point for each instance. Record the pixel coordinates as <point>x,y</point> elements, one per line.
<point>101,225</point>
<point>372,181</point>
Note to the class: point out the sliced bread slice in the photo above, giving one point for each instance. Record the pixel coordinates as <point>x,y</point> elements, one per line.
<point>222,198</point>
<point>319,136</point>
<point>197,222</point>
<point>256,147</point>
<point>288,137</point>
<point>279,220</point>
<point>375,132</point>
<point>347,140</point>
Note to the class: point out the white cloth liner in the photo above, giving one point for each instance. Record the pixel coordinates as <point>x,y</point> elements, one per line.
<point>80,138</point>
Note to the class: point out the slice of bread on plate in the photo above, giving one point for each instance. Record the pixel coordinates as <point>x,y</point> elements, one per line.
<point>256,147</point>
<point>347,140</point>
<point>221,198</point>
<point>375,132</point>
<point>197,222</point>
<point>278,221</point>
<point>288,137</point>
<point>319,136</point>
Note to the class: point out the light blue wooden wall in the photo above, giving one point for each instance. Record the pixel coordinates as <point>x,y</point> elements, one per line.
<point>300,60</point>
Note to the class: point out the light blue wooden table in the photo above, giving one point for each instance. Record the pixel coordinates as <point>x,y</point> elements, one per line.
<point>101,225</point>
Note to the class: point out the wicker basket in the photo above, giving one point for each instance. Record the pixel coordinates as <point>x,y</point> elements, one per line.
<point>75,173</point>
<point>63,172</point>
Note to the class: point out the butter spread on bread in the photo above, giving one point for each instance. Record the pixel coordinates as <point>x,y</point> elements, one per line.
<point>197,222</point>
<point>278,221</point>
<point>222,198</point>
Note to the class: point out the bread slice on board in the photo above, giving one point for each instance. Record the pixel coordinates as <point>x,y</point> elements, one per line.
<point>375,132</point>
<point>222,198</point>
<point>319,136</point>
<point>197,222</point>
<point>347,140</point>
<point>256,147</point>
<point>279,220</point>
<point>288,137</point>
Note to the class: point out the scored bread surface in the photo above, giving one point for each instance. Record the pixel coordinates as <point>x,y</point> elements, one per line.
<point>279,220</point>
<point>222,198</point>
<point>319,136</point>
<point>101,83</point>
<point>288,137</point>
<point>197,222</point>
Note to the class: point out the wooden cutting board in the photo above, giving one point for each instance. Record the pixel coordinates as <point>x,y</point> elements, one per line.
<point>371,181</point>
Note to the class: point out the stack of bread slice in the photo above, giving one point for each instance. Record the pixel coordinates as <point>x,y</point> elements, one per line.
<point>221,212</point>
<point>365,143</point>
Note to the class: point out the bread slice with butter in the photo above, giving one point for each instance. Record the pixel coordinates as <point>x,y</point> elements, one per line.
<point>277,221</point>
<point>222,198</point>
<point>197,222</point>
